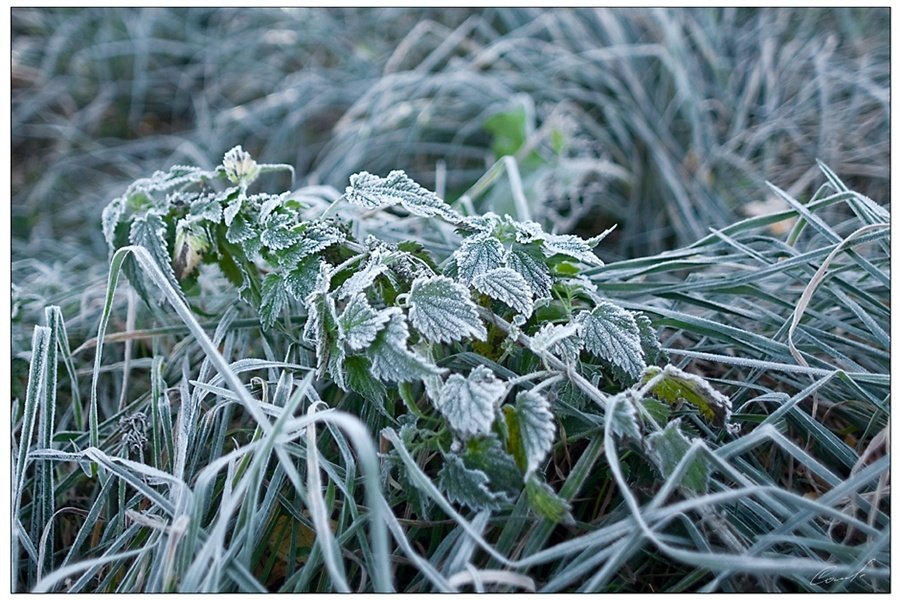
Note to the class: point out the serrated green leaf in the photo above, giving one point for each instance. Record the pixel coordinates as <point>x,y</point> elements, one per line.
<point>478,254</point>
<point>359,378</point>
<point>371,191</point>
<point>273,299</point>
<point>301,279</point>
<point>571,245</point>
<point>649,340</point>
<point>536,427</point>
<point>467,486</point>
<point>677,386</point>
<point>442,311</point>
<point>361,323</point>
<point>610,333</point>
<point>233,208</point>
<point>528,261</point>
<point>278,233</point>
<point>239,230</point>
<point>562,341</point>
<point>485,453</point>
<point>507,286</point>
<point>391,359</point>
<point>111,216</point>
<point>149,231</point>
<point>545,501</point>
<point>469,403</point>
<point>668,447</point>
<point>623,416</point>
<point>363,278</point>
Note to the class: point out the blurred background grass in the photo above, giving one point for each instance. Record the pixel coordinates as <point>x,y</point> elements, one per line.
<point>666,121</point>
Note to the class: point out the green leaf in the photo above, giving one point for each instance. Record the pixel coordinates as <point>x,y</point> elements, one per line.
<point>469,403</point>
<point>478,254</point>
<point>536,428</point>
<point>507,286</point>
<point>667,449</point>
<point>571,245</point>
<point>442,311</point>
<point>363,279</point>
<point>562,341</point>
<point>649,340</point>
<point>528,261</point>
<point>239,230</point>
<point>485,453</point>
<point>301,279</point>
<point>371,191</point>
<point>361,323</point>
<point>273,300</point>
<point>359,378</point>
<point>610,333</point>
<point>677,386</point>
<point>149,231</point>
<point>467,486</point>
<point>278,233</point>
<point>391,359</point>
<point>623,416</point>
<point>545,502</point>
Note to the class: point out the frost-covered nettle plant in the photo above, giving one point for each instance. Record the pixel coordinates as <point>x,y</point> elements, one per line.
<point>467,345</point>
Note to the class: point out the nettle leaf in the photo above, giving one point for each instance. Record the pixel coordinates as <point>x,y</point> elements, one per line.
<point>391,359</point>
<point>361,323</point>
<point>278,232</point>
<point>467,486</point>
<point>273,299</point>
<point>545,501</point>
<point>528,261</point>
<point>571,245</point>
<point>469,403</point>
<point>161,181</point>
<point>536,428</point>
<point>230,212</point>
<point>112,214</point>
<point>442,311</point>
<point>149,231</point>
<point>668,447</point>
<point>485,453</point>
<point>610,333</point>
<point>563,341</point>
<point>507,286</point>
<point>371,191</point>
<point>239,230</point>
<point>677,386</point>
<point>310,238</point>
<point>363,279</point>
<point>649,340</point>
<point>322,327</point>
<point>207,207</point>
<point>478,254</point>
<point>359,379</point>
<point>301,279</point>
<point>623,416</point>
